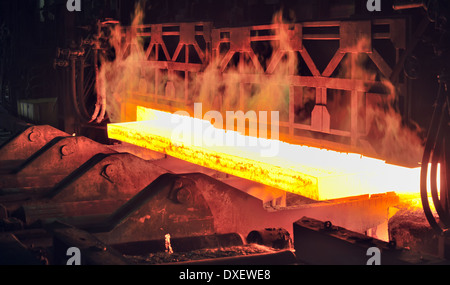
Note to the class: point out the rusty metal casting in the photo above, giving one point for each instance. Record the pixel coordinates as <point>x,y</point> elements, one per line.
<point>73,184</point>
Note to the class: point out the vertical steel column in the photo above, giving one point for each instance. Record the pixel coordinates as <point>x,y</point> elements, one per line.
<point>355,97</point>
<point>291,97</point>
<point>156,73</point>
<point>241,84</point>
<point>186,76</point>
<point>320,117</point>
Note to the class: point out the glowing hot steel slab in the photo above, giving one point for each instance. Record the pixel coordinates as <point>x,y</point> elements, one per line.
<point>315,173</point>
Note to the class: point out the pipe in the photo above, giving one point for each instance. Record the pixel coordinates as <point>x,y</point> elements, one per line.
<point>408,4</point>
<point>437,158</point>
<point>81,90</point>
<point>97,88</point>
<point>436,121</point>
<point>73,86</point>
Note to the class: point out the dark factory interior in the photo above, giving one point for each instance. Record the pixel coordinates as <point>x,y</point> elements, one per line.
<point>201,132</point>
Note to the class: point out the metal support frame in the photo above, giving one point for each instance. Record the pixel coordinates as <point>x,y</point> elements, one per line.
<point>240,40</point>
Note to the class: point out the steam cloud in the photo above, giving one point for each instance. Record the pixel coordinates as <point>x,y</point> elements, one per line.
<point>386,132</point>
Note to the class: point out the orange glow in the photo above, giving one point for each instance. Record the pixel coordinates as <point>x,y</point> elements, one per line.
<point>319,174</point>
<point>316,173</point>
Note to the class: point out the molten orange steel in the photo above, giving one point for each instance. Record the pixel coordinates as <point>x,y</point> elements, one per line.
<point>315,173</point>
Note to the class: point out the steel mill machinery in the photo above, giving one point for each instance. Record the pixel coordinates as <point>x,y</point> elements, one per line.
<point>312,132</point>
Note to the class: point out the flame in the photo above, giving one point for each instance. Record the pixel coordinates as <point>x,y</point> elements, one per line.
<point>167,244</point>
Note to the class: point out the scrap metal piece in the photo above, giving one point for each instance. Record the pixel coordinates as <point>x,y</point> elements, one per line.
<point>272,237</point>
<point>410,228</point>
<point>322,243</point>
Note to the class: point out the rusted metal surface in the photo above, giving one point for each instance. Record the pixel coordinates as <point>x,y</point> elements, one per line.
<point>28,142</point>
<point>272,237</point>
<point>320,242</point>
<point>229,205</point>
<point>103,177</point>
<point>61,155</point>
<point>170,204</point>
<point>218,208</point>
<point>183,244</point>
<point>119,198</point>
<point>410,229</point>
<point>92,250</point>
<point>283,257</point>
<point>33,214</point>
<point>112,176</point>
<point>50,164</point>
